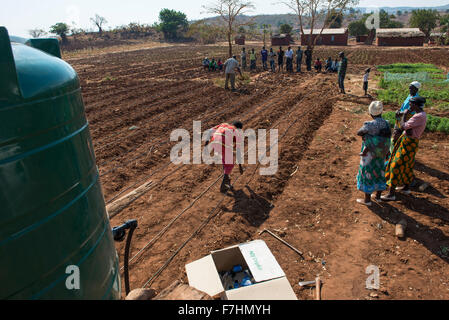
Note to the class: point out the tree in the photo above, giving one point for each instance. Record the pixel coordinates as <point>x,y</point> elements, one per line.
<point>99,22</point>
<point>204,32</point>
<point>358,28</point>
<point>229,10</point>
<point>318,10</point>
<point>425,20</point>
<point>266,29</point>
<point>61,29</point>
<point>444,23</point>
<point>172,23</point>
<point>335,20</point>
<point>37,33</point>
<point>386,22</point>
<point>399,13</point>
<point>285,28</point>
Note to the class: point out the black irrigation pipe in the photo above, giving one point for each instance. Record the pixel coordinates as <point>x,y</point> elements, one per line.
<point>161,233</point>
<point>212,215</point>
<point>160,144</point>
<point>152,241</point>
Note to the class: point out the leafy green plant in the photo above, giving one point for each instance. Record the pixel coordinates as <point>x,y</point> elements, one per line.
<point>409,68</point>
<point>395,92</point>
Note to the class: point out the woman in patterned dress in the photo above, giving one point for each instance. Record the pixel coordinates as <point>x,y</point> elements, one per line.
<point>399,170</point>
<point>376,144</point>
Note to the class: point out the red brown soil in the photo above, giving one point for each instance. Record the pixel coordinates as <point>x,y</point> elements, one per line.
<point>310,202</point>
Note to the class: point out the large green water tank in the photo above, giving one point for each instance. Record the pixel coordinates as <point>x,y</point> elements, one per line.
<point>52,210</point>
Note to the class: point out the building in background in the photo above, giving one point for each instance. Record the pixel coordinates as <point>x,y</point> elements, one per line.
<point>329,37</point>
<point>400,37</point>
<point>240,40</point>
<point>281,40</point>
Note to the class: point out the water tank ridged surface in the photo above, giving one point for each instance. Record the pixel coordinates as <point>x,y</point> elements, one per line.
<point>52,210</point>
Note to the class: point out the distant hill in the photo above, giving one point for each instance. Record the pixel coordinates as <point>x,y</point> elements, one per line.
<point>275,20</point>
<point>403,9</point>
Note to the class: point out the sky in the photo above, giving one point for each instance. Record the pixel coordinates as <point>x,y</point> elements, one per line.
<point>19,16</point>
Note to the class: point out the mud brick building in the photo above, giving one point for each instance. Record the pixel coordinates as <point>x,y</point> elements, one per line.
<point>281,40</point>
<point>400,37</point>
<point>240,40</point>
<point>329,37</point>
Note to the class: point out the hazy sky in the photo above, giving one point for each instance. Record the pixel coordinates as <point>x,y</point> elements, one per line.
<point>19,16</point>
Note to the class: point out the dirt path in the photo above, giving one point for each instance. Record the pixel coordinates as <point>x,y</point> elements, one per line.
<point>318,214</point>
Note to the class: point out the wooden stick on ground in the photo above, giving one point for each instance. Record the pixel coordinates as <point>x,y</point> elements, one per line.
<point>120,204</point>
<point>318,288</point>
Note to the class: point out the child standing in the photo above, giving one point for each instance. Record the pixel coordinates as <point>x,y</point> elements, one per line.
<point>365,80</point>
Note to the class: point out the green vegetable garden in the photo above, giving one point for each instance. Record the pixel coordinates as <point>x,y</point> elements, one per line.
<point>435,89</point>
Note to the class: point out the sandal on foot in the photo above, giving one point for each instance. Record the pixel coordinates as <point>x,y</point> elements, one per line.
<point>388,198</point>
<point>362,201</point>
<point>373,197</point>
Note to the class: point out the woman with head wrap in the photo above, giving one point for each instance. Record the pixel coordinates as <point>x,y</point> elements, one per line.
<point>413,89</point>
<point>376,144</point>
<point>399,170</point>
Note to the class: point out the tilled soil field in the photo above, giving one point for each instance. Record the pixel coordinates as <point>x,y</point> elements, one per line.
<point>135,99</point>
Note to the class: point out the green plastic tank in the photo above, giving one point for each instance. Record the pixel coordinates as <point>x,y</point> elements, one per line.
<point>52,210</point>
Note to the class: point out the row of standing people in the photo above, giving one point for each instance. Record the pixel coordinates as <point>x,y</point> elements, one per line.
<point>231,65</point>
<point>289,56</point>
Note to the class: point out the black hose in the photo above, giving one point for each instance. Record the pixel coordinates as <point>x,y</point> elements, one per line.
<point>128,244</point>
<point>119,234</point>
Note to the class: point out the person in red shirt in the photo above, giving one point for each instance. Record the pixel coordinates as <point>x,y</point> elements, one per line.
<point>223,139</point>
<point>318,65</point>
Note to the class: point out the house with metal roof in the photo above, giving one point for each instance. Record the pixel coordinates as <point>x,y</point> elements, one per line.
<point>400,37</point>
<point>328,37</point>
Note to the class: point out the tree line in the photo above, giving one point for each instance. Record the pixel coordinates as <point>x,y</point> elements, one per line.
<point>310,14</point>
<point>427,20</point>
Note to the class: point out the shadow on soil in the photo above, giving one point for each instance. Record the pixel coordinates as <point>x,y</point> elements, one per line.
<point>253,208</point>
<point>432,238</point>
<point>431,171</point>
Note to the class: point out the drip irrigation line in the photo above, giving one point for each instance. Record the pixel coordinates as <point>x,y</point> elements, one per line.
<point>162,232</point>
<point>211,215</point>
<point>152,241</point>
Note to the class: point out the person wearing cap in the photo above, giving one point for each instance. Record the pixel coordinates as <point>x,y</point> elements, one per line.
<point>375,147</point>
<point>399,171</point>
<point>342,72</point>
<point>223,140</point>
<point>414,92</point>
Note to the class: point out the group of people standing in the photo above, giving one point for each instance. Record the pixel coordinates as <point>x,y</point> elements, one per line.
<point>388,163</point>
<point>288,57</point>
<point>282,57</point>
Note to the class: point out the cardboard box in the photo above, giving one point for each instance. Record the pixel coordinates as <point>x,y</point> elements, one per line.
<point>271,283</point>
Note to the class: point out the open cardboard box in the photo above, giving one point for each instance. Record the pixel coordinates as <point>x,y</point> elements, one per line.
<point>271,282</point>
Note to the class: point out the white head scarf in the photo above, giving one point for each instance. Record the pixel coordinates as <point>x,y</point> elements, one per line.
<point>376,108</point>
<point>416,84</point>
